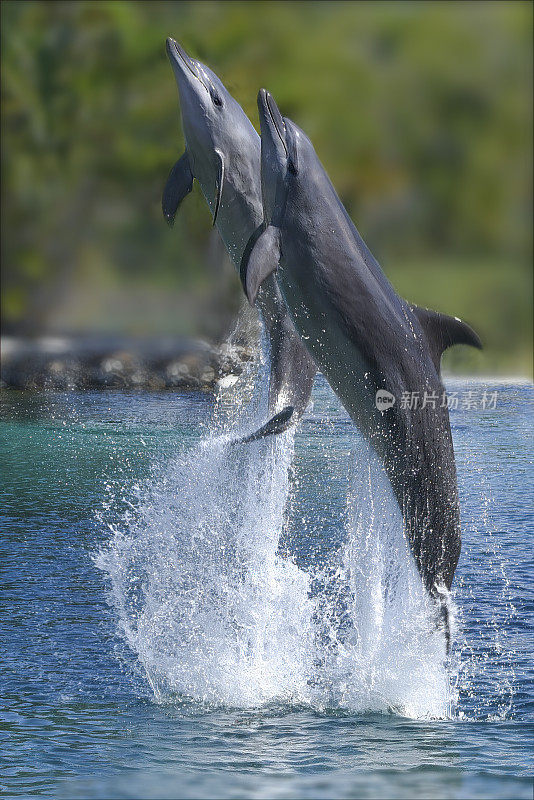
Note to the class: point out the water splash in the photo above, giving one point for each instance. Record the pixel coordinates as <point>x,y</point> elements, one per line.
<point>211,609</point>
<point>216,612</point>
<point>204,600</point>
<point>390,654</point>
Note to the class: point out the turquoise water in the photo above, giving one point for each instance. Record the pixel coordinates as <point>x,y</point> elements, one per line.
<point>187,618</point>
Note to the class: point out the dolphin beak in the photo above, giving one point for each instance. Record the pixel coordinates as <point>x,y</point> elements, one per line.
<point>263,94</point>
<point>182,64</point>
<point>271,119</point>
<point>177,54</point>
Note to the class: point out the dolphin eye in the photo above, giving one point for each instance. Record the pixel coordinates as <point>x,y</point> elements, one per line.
<point>216,99</point>
<point>292,167</point>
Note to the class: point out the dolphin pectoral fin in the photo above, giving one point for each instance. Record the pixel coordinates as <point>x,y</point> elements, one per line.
<point>277,424</point>
<point>219,183</point>
<point>260,261</point>
<point>179,184</point>
<point>443,331</point>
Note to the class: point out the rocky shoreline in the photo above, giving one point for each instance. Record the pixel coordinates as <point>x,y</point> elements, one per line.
<point>61,363</point>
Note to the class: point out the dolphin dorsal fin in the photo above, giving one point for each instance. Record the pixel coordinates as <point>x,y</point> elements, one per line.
<point>179,184</point>
<point>443,331</point>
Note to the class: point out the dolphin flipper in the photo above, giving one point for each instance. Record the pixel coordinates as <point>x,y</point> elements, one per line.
<point>179,184</point>
<point>443,331</point>
<point>260,261</point>
<point>277,424</point>
<point>219,183</point>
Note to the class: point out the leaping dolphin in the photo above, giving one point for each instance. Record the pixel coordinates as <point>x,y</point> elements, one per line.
<point>364,338</point>
<point>223,153</point>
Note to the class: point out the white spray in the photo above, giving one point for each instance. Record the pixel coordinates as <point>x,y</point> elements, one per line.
<point>216,614</point>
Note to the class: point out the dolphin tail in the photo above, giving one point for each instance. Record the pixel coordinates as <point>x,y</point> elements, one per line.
<point>277,424</point>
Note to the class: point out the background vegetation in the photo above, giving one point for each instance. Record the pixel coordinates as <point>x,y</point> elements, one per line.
<point>421,113</point>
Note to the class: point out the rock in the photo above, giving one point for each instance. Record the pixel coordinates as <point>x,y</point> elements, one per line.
<point>178,376</point>
<point>232,359</point>
<point>118,363</point>
<point>64,373</point>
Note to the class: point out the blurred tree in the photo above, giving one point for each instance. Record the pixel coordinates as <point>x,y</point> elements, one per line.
<point>420,113</point>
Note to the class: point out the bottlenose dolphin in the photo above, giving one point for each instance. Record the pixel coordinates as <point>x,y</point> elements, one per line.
<point>364,338</point>
<point>223,152</point>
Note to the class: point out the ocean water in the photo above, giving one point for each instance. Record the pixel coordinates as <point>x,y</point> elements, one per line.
<point>188,617</point>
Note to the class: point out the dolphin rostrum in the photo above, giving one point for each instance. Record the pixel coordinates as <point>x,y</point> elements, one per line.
<point>368,342</point>
<point>223,152</point>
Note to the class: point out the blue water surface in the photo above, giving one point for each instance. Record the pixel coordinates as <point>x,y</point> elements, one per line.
<point>78,717</point>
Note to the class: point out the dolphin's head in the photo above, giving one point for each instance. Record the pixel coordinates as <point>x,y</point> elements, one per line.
<point>284,148</point>
<point>215,126</point>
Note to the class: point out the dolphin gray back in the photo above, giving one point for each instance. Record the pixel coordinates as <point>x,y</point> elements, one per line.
<point>229,171</point>
<point>364,338</point>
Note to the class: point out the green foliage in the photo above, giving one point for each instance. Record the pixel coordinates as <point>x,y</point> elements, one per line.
<point>495,297</point>
<point>419,111</point>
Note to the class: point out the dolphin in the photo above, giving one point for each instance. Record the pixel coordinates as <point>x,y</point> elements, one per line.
<point>223,152</point>
<point>368,342</point>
